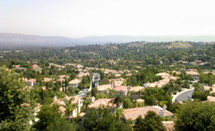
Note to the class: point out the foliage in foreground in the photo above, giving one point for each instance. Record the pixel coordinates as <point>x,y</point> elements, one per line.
<point>152,122</point>
<point>196,116</point>
<point>14,114</point>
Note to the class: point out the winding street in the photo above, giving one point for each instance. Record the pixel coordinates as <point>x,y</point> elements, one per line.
<point>183,95</point>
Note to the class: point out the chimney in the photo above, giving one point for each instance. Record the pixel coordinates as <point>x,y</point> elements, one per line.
<point>90,87</point>
<point>55,98</point>
<point>79,105</point>
<point>96,85</point>
<point>164,107</point>
<point>121,105</point>
<point>112,84</point>
<point>93,98</point>
<point>161,113</point>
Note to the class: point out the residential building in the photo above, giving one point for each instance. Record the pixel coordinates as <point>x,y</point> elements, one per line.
<point>134,113</point>
<point>102,103</point>
<point>104,88</point>
<point>96,77</point>
<point>31,82</point>
<point>74,83</point>
<point>75,100</point>
<point>121,90</point>
<point>193,74</point>
<point>169,125</point>
<point>47,80</point>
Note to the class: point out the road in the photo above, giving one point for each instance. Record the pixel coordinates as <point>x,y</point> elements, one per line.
<point>183,95</point>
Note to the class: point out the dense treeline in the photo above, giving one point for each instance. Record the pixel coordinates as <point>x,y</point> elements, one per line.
<point>127,55</point>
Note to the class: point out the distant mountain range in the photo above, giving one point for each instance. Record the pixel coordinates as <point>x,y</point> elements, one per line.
<point>20,40</point>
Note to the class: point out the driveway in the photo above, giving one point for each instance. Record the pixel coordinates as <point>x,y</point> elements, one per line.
<point>183,95</point>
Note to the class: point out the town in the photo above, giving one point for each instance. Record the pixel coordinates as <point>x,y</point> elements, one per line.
<point>74,96</point>
<point>107,65</point>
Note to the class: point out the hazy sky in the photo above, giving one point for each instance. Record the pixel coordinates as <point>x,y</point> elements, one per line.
<point>79,18</point>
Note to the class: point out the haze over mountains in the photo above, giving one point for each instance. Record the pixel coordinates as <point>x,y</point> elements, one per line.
<point>21,40</point>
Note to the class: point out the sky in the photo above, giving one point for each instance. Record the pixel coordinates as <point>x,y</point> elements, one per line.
<point>81,18</point>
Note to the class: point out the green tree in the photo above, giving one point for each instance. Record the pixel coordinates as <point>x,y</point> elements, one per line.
<point>87,102</point>
<point>69,107</point>
<point>50,119</point>
<point>152,122</point>
<point>118,100</point>
<point>102,119</point>
<point>62,125</point>
<point>127,103</point>
<point>199,93</point>
<point>196,116</point>
<point>14,114</point>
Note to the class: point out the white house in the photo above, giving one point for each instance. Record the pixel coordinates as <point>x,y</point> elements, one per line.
<point>31,82</point>
<point>74,83</point>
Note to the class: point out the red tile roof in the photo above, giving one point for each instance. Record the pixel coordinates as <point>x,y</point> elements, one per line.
<point>134,113</point>
<point>102,102</point>
<point>121,88</point>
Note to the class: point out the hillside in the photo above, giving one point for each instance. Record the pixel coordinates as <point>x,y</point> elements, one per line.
<point>179,45</point>
<point>21,40</point>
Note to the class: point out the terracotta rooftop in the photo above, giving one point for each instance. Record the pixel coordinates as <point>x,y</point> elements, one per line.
<point>34,66</point>
<point>63,76</point>
<point>61,80</point>
<point>61,102</point>
<point>192,73</point>
<point>169,125</point>
<point>104,87</point>
<point>121,88</point>
<point>163,74</point>
<point>140,100</point>
<point>82,74</point>
<point>31,80</point>
<point>136,88</point>
<point>102,102</point>
<point>82,114</point>
<point>75,81</point>
<point>211,98</point>
<point>134,113</point>
<point>47,79</point>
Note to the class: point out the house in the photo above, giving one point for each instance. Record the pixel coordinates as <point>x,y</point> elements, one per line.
<point>31,82</point>
<point>140,100</point>
<point>136,89</point>
<point>82,74</point>
<point>169,125</point>
<point>117,81</point>
<point>165,80</point>
<point>63,76</point>
<point>121,90</point>
<point>96,77</point>
<point>134,113</point>
<point>75,100</point>
<point>176,72</point>
<point>102,103</point>
<point>60,67</point>
<point>47,80</point>
<point>211,98</point>
<point>104,88</point>
<point>193,74</point>
<point>210,88</point>
<point>35,67</point>
<point>118,75</point>
<point>17,67</point>
<point>74,83</point>
<point>61,81</point>
<point>163,75</point>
